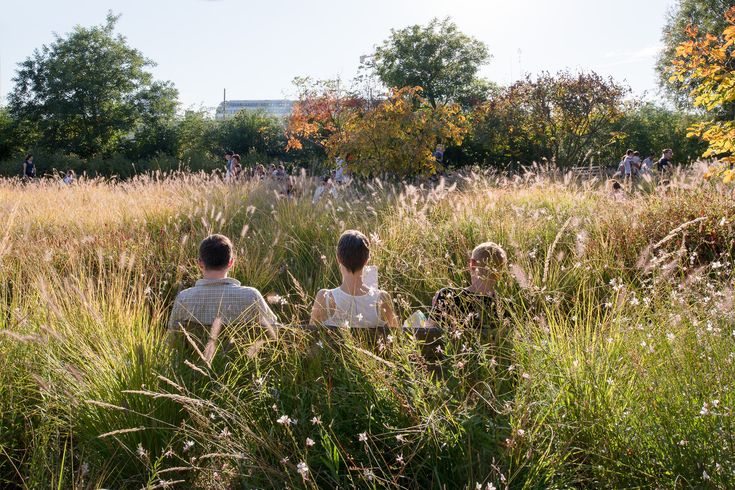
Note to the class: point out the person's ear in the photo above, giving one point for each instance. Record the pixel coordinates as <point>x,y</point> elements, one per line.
<point>200,263</point>
<point>230,263</point>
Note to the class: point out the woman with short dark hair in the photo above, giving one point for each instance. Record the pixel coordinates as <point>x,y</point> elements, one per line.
<point>353,304</point>
<point>29,168</point>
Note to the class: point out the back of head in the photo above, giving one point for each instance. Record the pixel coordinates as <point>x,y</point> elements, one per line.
<point>629,152</point>
<point>353,250</point>
<point>215,252</point>
<point>490,255</point>
<point>636,153</point>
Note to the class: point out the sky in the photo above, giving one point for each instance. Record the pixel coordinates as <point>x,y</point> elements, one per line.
<point>254,49</point>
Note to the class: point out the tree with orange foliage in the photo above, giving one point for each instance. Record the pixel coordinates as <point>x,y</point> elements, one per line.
<point>319,112</point>
<point>399,135</point>
<point>706,63</point>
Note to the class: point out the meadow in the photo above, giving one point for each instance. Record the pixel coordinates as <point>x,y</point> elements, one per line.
<point>614,367</point>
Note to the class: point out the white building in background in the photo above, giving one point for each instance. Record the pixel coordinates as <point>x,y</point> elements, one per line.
<point>278,108</point>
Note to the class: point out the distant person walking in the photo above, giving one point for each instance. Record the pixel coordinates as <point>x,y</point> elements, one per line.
<point>235,167</point>
<point>339,173</point>
<point>628,163</point>
<point>664,164</point>
<point>228,164</point>
<point>29,168</point>
<point>439,154</point>
<point>647,165</point>
<point>327,187</point>
<point>636,164</point>
<point>69,178</point>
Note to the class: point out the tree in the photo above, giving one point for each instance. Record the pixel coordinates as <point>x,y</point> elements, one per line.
<point>437,57</point>
<point>194,130</point>
<point>251,131</point>
<point>564,117</point>
<point>705,64</point>
<point>651,128</point>
<point>706,16</point>
<point>399,135</point>
<point>318,113</point>
<point>85,92</point>
<point>7,135</point>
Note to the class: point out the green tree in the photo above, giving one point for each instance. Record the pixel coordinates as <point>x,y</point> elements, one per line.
<point>706,16</point>
<point>88,91</point>
<point>7,135</point>
<point>651,128</point>
<point>564,117</point>
<point>252,131</point>
<point>155,131</point>
<point>437,57</point>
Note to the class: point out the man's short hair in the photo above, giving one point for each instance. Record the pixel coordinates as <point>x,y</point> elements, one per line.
<point>629,152</point>
<point>668,150</point>
<point>489,254</point>
<point>353,250</point>
<point>229,153</point>
<point>215,252</point>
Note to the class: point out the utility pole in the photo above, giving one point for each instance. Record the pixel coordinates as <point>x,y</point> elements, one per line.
<point>224,104</point>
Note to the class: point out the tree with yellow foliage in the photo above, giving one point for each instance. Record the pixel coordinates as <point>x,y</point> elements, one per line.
<point>706,63</point>
<point>399,135</point>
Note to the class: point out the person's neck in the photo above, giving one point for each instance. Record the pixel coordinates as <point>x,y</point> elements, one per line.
<point>210,274</point>
<point>483,287</point>
<point>352,283</point>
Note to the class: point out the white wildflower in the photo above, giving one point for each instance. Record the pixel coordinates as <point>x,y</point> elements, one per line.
<point>285,420</point>
<point>362,437</point>
<point>302,469</point>
<point>188,445</point>
<point>316,420</point>
<point>309,442</point>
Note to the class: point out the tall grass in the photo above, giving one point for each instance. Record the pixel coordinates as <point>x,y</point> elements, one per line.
<point>613,368</point>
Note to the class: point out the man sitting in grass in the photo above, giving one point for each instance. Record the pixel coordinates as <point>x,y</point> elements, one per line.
<point>217,299</point>
<point>473,306</point>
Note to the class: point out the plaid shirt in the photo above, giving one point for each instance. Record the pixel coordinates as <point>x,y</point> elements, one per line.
<point>220,298</point>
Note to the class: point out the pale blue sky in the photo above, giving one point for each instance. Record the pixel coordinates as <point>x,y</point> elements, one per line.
<point>255,48</point>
